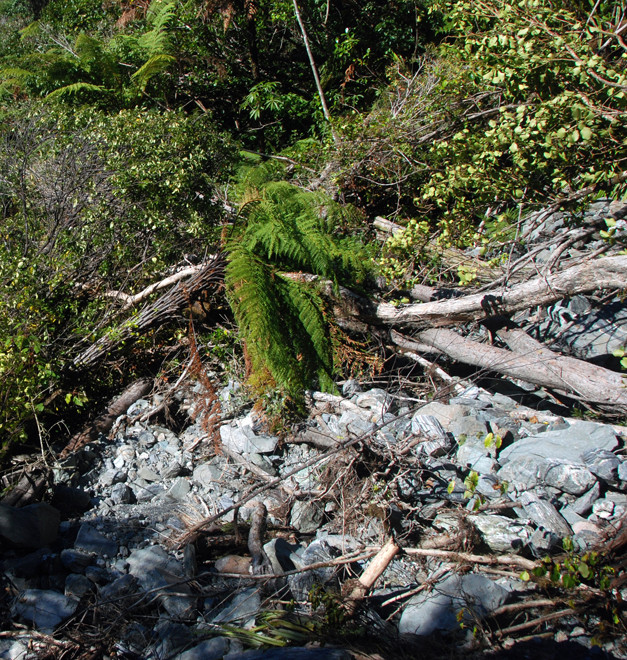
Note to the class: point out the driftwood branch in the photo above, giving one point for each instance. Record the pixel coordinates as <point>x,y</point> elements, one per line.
<point>163,309</point>
<point>605,273</point>
<point>534,363</point>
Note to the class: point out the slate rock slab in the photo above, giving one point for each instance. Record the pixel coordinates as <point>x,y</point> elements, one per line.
<point>32,526</point>
<point>89,539</point>
<point>473,595</point>
<point>569,444</point>
<point>44,609</point>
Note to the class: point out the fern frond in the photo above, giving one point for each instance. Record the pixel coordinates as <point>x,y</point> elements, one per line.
<point>160,16</point>
<point>155,65</point>
<point>71,92</point>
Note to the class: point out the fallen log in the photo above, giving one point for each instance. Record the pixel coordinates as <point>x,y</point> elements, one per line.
<point>103,423</point>
<point>604,273</point>
<point>535,364</point>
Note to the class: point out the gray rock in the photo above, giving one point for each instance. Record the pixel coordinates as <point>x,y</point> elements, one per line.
<point>32,526</point>
<point>240,610</point>
<point>376,400</point>
<point>122,494</point>
<point>602,463</point>
<point>622,472</point>
<point>568,444</point>
<point>350,387</point>
<point>354,422</point>
<point>241,438</point>
<point>434,440</point>
<point>89,539</point>
<point>76,560</point>
<point>179,490</point>
<point>211,649</point>
<point>502,534</point>
<point>77,585</point>
<point>13,650</point>
<point>156,570</point>
<point>544,514</point>
<point>468,428</point>
<point>301,583</point>
<point>472,596</point>
<point>283,556</point>
<point>206,474</point>
<point>147,474</point>
<point>306,517</point>
<point>476,456</point>
<point>44,609</point>
<point>583,504</point>
<point>568,477</point>
<point>522,473</point>
<point>445,414</point>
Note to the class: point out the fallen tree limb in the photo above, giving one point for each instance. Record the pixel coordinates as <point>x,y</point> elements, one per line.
<point>103,423</point>
<point>537,365</point>
<point>604,273</point>
<point>211,274</point>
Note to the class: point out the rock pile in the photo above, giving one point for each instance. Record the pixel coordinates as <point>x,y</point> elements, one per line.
<point>111,562</point>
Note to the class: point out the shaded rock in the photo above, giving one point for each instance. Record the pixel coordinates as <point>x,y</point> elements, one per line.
<point>89,539</point>
<point>44,609</point>
<point>211,649</point>
<point>32,526</point>
<point>77,585</point>
<point>472,595</point>
<point>241,609</point>
<point>172,637</point>
<point>124,586</point>
<point>70,500</point>
<point>293,653</point>
<point>76,560</point>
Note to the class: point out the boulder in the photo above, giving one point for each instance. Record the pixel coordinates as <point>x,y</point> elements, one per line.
<point>458,598</point>
<point>32,526</point>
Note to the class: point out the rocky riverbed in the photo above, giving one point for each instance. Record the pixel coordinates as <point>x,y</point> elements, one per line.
<point>148,543</point>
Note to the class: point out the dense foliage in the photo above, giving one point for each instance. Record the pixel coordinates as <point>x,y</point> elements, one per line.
<point>122,124</point>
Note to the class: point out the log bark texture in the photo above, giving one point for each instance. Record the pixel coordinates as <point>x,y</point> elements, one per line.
<point>534,363</point>
<point>594,275</point>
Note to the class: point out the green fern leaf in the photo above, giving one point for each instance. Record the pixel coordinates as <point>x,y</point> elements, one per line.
<point>71,92</point>
<point>155,65</point>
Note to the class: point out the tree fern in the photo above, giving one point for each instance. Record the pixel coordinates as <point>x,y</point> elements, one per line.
<point>75,91</point>
<point>281,319</point>
<point>155,65</point>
